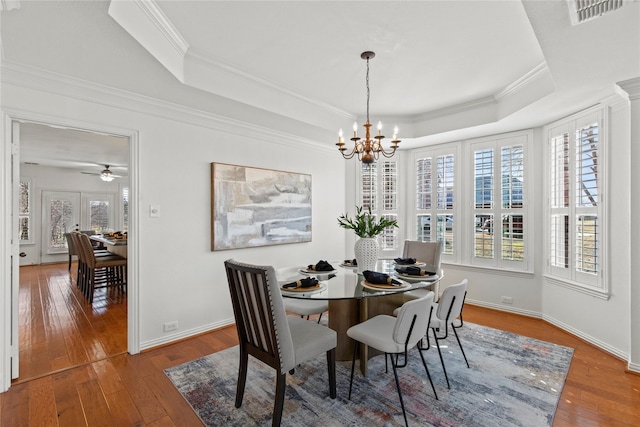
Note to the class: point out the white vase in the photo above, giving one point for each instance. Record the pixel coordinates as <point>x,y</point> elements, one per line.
<point>366,252</point>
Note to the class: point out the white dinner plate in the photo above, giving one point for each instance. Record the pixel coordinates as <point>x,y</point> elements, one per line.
<point>308,272</point>
<point>349,266</point>
<point>417,278</point>
<point>321,287</point>
<point>416,264</point>
<point>387,288</point>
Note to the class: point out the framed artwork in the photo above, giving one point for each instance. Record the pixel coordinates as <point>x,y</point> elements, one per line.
<point>258,207</point>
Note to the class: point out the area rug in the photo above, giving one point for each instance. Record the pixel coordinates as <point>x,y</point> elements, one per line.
<point>513,381</point>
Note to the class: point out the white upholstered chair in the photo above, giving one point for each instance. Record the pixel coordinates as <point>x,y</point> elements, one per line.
<point>395,336</point>
<point>302,307</point>
<point>445,313</point>
<point>268,334</point>
<point>430,254</point>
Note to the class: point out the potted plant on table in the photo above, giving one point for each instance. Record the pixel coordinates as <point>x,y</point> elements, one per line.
<point>366,226</point>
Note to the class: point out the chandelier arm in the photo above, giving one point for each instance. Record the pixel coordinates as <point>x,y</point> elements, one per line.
<point>351,154</point>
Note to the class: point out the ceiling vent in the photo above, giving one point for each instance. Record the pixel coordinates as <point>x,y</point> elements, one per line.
<point>585,10</point>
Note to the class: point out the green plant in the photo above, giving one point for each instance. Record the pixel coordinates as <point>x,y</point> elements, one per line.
<point>365,224</point>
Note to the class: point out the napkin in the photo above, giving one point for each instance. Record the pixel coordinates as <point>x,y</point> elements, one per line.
<point>320,266</point>
<point>376,278</point>
<point>405,261</point>
<point>307,282</point>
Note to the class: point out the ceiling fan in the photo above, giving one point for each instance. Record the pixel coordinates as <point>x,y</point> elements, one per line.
<point>105,175</point>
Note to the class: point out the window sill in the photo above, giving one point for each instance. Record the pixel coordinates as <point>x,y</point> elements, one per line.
<point>491,270</point>
<point>578,287</point>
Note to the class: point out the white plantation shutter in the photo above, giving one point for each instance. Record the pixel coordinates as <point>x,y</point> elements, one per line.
<point>24,212</point>
<point>499,186</point>
<point>435,181</point>
<point>379,191</point>
<point>575,209</point>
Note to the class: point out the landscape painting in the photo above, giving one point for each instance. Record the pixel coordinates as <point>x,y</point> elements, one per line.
<point>258,207</point>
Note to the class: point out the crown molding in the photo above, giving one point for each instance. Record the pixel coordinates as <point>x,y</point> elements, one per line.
<point>538,72</point>
<point>210,62</point>
<point>171,34</point>
<point>71,87</point>
<point>631,87</point>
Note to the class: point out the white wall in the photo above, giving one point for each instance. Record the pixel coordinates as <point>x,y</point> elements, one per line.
<point>605,322</point>
<point>179,278</point>
<point>45,178</point>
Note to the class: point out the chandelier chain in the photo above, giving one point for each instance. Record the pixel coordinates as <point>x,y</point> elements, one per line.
<point>368,92</point>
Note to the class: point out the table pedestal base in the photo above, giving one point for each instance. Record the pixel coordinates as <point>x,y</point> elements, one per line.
<point>345,313</point>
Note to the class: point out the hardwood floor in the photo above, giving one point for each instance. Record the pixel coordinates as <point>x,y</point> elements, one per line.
<point>95,383</point>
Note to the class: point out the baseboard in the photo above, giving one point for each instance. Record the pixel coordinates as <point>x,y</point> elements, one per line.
<point>188,333</point>
<point>501,307</point>
<point>631,368</point>
<point>588,338</point>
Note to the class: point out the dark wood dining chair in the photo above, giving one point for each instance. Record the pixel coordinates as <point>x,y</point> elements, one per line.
<point>268,334</point>
<point>99,271</point>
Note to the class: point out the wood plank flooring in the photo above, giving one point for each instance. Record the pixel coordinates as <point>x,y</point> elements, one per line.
<point>96,383</point>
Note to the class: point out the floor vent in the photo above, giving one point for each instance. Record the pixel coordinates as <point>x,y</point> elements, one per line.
<point>585,10</point>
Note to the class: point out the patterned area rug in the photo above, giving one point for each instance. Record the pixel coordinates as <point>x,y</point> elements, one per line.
<point>513,381</point>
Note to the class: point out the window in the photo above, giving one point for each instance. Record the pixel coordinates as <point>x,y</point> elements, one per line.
<point>382,199</point>
<point>125,209</point>
<point>575,173</point>
<point>435,181</point>
<point>98,212</point>
<point>24,212</point>
<point>499,214</point>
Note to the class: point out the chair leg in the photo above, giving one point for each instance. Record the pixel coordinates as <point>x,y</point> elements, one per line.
<point>69,263</point>
<point>353,366</point>
<point>460,344</point>
<point>281,385</point>
<point>395,374</point>
<point>428,374</point>
<point>242,377</point>
<point>441,359</point>
<point>331,365</point>
<point>319,317</point>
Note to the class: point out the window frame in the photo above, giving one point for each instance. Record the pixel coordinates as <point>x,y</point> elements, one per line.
<point>378,204</point>
<point>434,152</point>
<point>497,143</point>
<point>29,215</point>
<point>597,284</point>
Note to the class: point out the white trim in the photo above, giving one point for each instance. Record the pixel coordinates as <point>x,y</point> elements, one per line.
<point>172,338</point>
<point>528,313</point>
<point>588,338</point>
<point>159,19</point>
<point>49,82</point>
<point>5,254</point>
<point>599,287</point>
<point>594,291</point>
<point>133,254</point>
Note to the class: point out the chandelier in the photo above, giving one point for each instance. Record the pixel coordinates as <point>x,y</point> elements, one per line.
<point>368,149</point>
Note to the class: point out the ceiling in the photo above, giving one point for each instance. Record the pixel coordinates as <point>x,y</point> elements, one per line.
<point>444,70</point>
<point>70,148</point>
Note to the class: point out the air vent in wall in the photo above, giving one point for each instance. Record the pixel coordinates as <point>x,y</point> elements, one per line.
<point>584,10</point>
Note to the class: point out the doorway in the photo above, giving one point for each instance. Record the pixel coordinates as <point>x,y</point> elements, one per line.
<point>66,170</point>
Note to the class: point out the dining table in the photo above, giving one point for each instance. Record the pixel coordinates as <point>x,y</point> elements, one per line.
<point>352,299</point>
<point>116,245</point>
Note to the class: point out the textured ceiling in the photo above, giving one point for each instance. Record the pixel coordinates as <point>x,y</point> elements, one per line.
<point>443,70</point>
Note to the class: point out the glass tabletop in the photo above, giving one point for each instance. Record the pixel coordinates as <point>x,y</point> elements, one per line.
<point>346,283</point>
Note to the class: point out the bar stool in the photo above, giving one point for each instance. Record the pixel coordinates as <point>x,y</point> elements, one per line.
<point>100,271</point>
